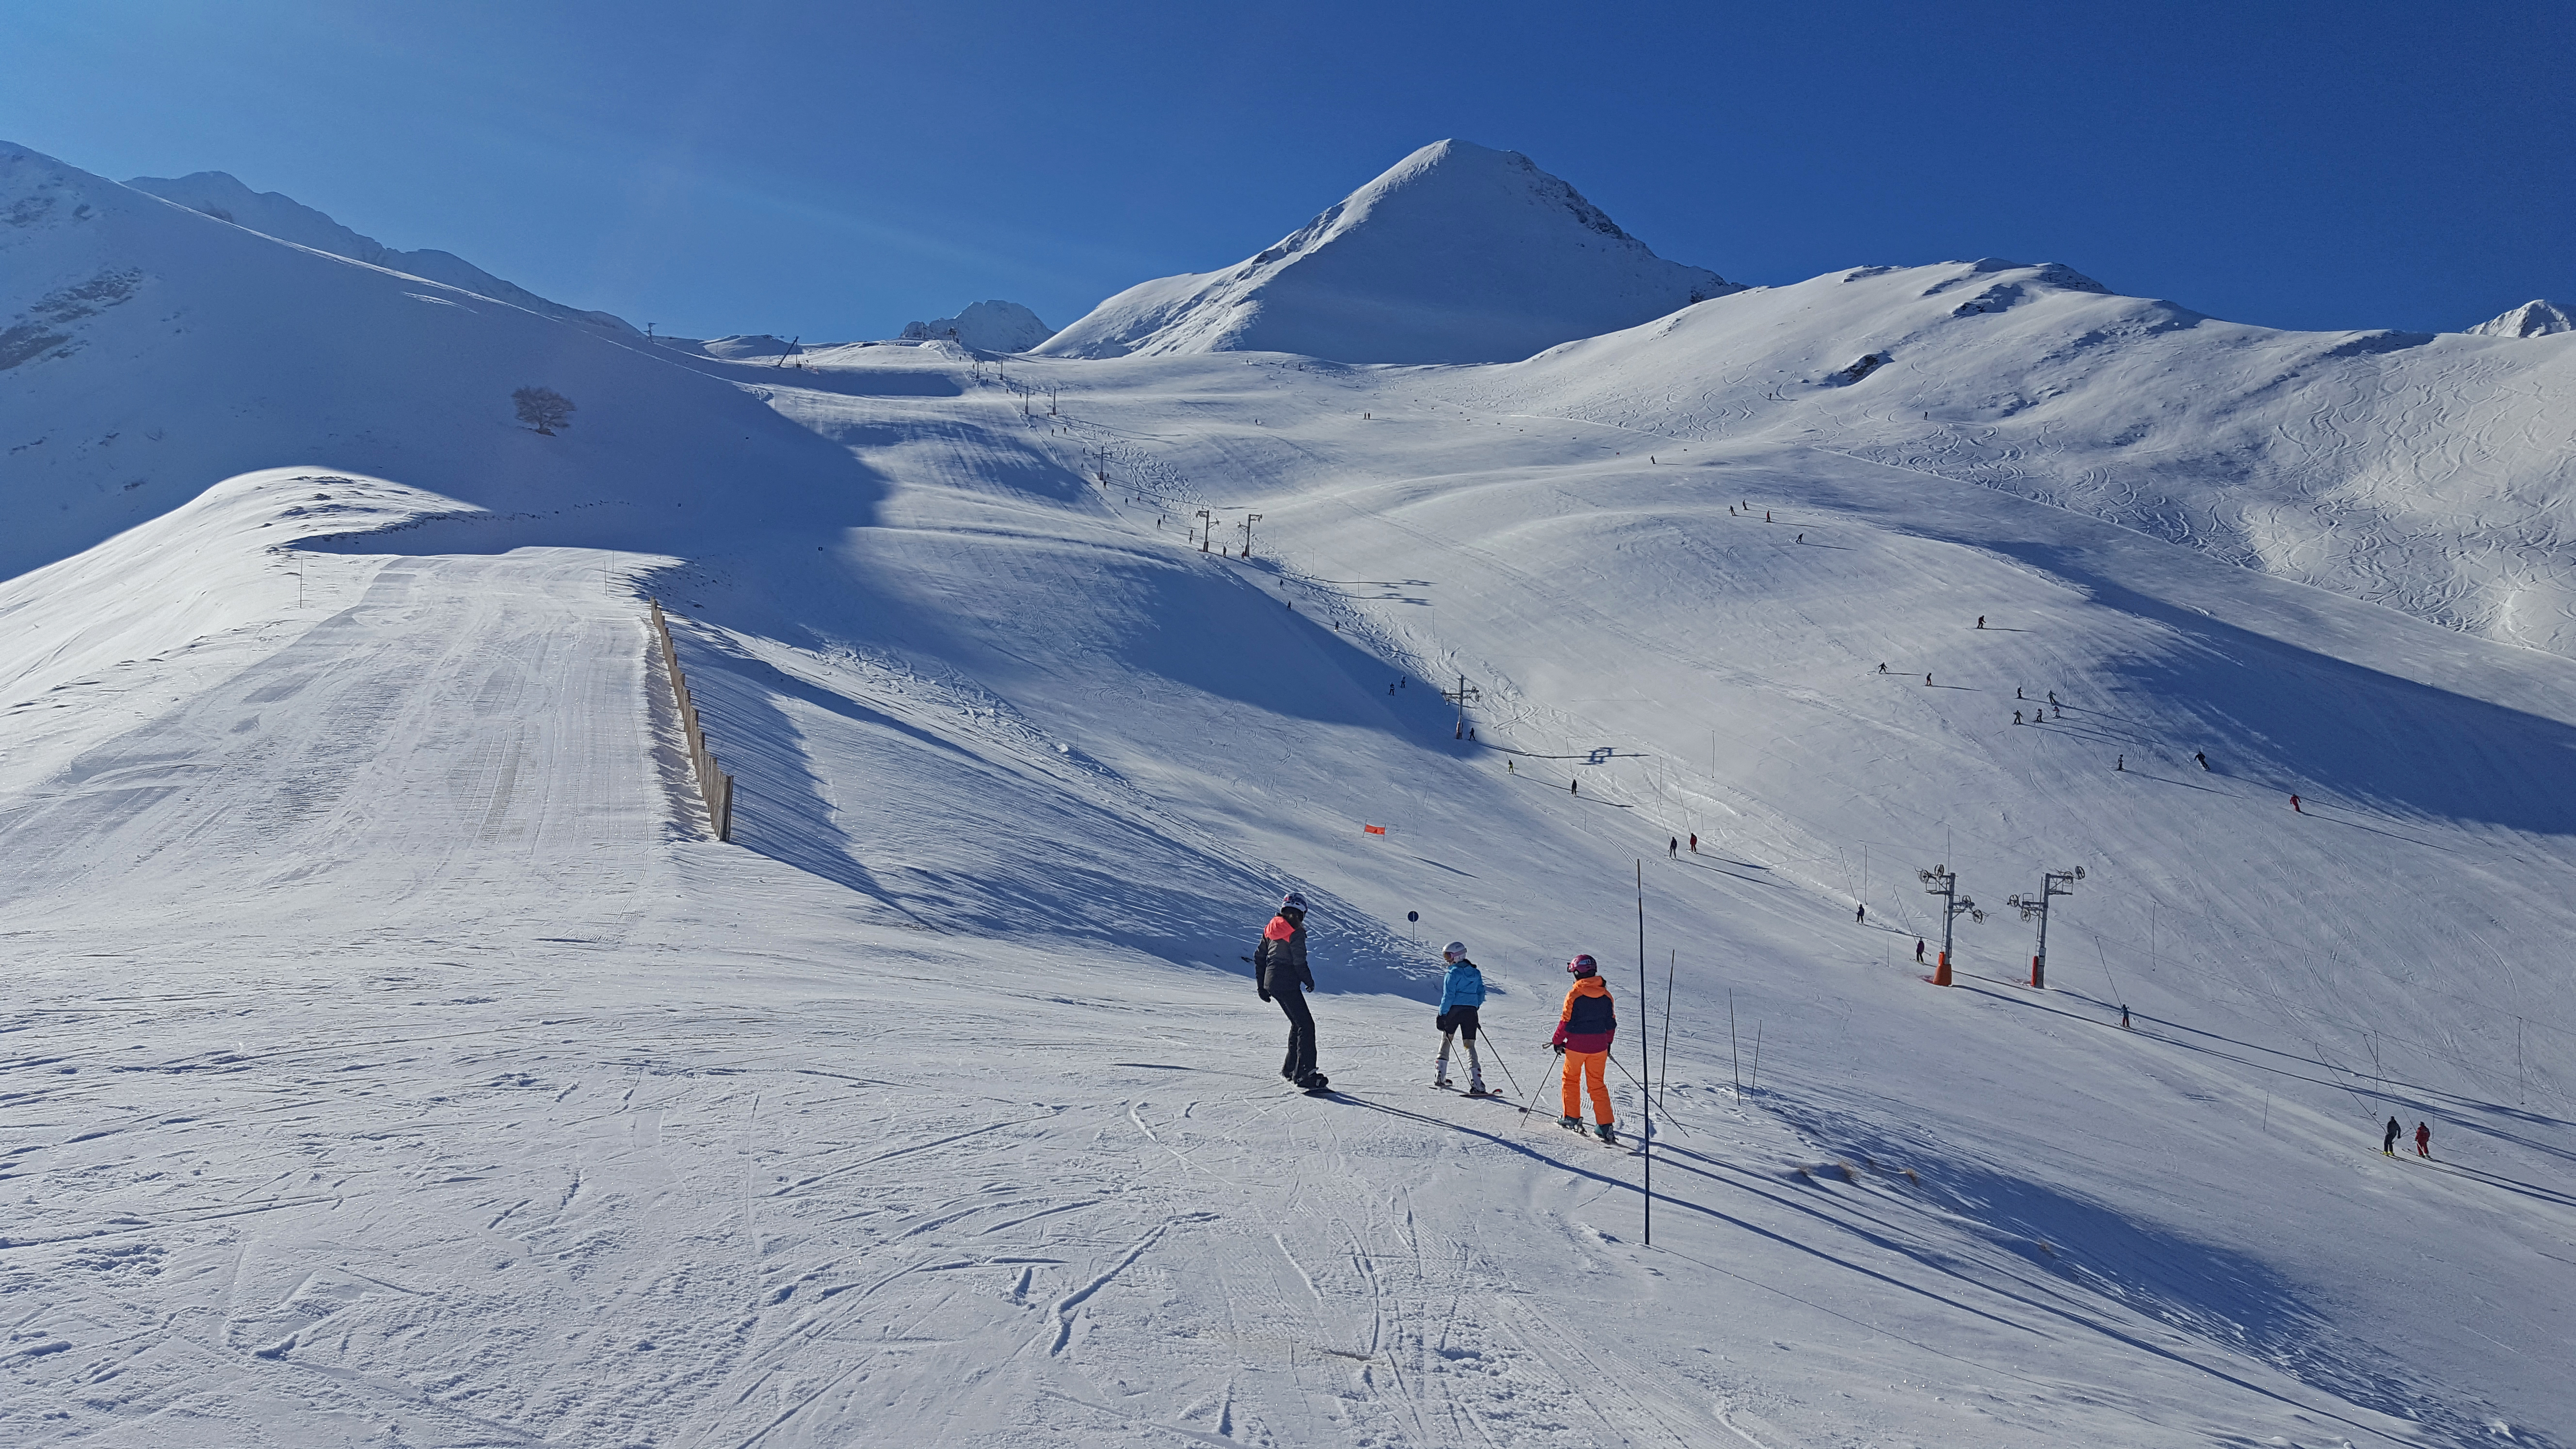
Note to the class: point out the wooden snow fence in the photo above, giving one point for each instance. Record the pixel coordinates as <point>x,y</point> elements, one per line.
<point>714,785</point>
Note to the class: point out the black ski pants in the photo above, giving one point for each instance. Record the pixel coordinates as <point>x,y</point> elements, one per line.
<point>1301,1034</point>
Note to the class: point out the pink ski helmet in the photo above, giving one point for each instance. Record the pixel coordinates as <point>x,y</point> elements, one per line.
<point>1583,966</point>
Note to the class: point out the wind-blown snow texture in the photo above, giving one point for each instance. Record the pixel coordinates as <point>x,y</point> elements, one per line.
<point>986,327</point>
<point>392,1058</point>
<point>1456,254</point>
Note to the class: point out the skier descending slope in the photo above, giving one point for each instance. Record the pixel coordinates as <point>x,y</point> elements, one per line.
<point>1462,990</point>
<point>1583,1033</point>
<point>2388,1139</point>
<point>1279,974</point>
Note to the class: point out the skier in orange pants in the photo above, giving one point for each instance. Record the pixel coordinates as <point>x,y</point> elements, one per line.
<point>1583,1033</point>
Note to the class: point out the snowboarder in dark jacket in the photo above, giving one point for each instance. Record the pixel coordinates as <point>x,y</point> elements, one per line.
<point>1279,973</point>
<point>2388,1139</point>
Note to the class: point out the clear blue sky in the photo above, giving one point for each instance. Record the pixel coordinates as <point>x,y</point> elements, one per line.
<point>835,170</point>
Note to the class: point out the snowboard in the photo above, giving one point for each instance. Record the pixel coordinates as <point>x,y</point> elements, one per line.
<point>1314,1084</point>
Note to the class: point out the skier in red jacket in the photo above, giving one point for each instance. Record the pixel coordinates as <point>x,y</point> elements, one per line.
<point>1583,1033</point>
<point>2423,1140</point>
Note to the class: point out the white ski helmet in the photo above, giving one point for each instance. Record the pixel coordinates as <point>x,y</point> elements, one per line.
<point>1455,950</point>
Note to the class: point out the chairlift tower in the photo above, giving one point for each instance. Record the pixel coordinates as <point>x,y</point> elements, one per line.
<point>1207,528</point>
<point>1249,519</point>
<point>2051,883</point>
<point>1464,695</point>
<point>1942,881</point>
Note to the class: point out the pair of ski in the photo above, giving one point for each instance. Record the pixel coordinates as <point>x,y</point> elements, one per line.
<point>1589,1134</point>
<point>1615,1141</point>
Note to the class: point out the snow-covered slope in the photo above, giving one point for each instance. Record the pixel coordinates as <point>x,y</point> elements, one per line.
<point>2435,474</point>
<point>2538,317</point>
<point>148,352</point>
<point>1456,254</point>
<point>219,195</point>
<point>986,327</point>
<point>393,1058</point>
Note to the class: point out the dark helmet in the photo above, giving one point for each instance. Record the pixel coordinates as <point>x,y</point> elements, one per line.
<point>1583,966</point>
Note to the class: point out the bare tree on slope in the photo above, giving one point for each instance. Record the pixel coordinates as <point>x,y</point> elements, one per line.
<point>543,409</point>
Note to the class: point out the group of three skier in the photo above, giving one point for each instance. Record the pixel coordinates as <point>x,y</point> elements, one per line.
<point>1584,1025</point>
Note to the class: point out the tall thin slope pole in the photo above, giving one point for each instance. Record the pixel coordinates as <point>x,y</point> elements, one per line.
<point>1734,1052</point>
<point>1645,1099</point>
<point>1663,1073</point>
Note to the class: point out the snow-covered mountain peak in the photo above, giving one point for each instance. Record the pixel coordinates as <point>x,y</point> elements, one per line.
<point>224,197</point>
<point>1457,253</point>
<point>2538,317</point>
<point>990,326</point>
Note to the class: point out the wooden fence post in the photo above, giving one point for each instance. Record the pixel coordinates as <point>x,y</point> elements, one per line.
<point>715,787</point>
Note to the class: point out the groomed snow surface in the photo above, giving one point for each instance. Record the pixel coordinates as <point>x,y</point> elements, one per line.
<point>393,1058</point>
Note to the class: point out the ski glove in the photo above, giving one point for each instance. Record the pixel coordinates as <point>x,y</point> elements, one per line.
<point>1265,996</point>
<point>1557,1047</point>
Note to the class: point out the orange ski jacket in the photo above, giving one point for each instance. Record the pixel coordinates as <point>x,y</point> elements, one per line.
<point>1589,1019</point>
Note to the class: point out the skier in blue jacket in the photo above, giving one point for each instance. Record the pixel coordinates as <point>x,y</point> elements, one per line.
<point>1462,990</point>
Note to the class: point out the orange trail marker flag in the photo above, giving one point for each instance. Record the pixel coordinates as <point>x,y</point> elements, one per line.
<point>1374,829</point>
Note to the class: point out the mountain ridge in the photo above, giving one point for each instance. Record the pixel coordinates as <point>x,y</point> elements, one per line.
<point>225,198</point>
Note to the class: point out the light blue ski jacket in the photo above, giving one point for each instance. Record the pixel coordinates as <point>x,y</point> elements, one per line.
<point>1463,986</point>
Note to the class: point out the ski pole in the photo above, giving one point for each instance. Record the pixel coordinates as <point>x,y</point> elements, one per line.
<point>1532,1105</point>
<point>1506,1066</point>
<point>1640,1086</point>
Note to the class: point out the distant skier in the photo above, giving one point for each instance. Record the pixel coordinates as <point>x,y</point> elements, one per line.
<point>1694,844</point>
<point>1802,538</point>
<point>2423,1140</point>
<point>1882,669</point>
<point>1860,915</point>
<point>1462,990</point>
<point>1279,973</point>
<point>1672,848</point>
<point>2016,716</point>
<point>1927,681</point>
<point>1583,1033</point>
<point>2204,759</point>
<point>2052,696</point>
<point>1918,953</point>
<point>1766,515</point>
<point>2388,1139</point>
<point>2016,691</point>
<point>2121,764</point>
<point>2124,1016</point>
<point>1981,621</point>
<point>2294,805</point>
<point>1574,787</point>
